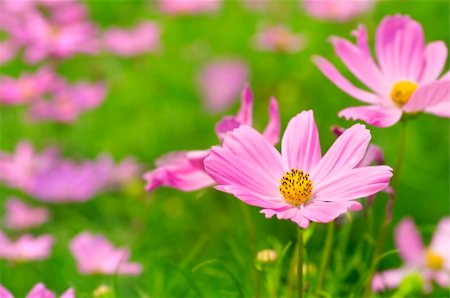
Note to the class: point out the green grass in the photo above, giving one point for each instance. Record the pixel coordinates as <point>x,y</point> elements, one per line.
<point>197,244</point>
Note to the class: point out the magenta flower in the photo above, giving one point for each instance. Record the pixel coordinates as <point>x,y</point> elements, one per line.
<point>220,83</point>
<point>279,38</point>
<point>67,102</point>
<point>26,248</point>
<point>432,263</point>
<point>184,170</point>
<point>20,216</point>
<point>298,184</point>
<point>142,39</point>
<point>94,254</point>
<point>405,80</point>
<point>181,7</point>
<point>27,88</point>
<point>38,291</point>
<point>337,10</point>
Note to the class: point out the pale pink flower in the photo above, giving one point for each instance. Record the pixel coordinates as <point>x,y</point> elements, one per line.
<point>279,38</point>
<point>27,88</point>
<point>298,184</point>
<point>405,79</point>
<point>25,248</point>
<point>337,10</point>
<point>38,291</point>
<point>8,50</point>
<point>142,39</point>
<point>182,7</point>
<point>20,216</point>
<point>67,102</point>
<point>184,170</point>
<point>220,83</point>
<point>431,263</point>
<point>94,254</point>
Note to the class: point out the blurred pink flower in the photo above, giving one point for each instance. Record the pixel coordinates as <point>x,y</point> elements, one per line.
<point>180,7</point>
<point>337,10</point>
<point>279,38</point>
<point>28,87</point>
<point>405,80</point>
<point>38,291</point>
<point>184,170</point>
<point>220,83</point>
<point>67,102</point>
<point>298,184</point>
<point>142,39</point>
<point>94,254</point>
<point>432,263</point>
<point>26,248</point>
<point>49,177</point>
<point>8,50</point>
<point>20,216</point>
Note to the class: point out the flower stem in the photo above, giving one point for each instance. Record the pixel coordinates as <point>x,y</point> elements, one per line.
<point>300,261</point>
<point>389,207</point>
<point>325,256</point>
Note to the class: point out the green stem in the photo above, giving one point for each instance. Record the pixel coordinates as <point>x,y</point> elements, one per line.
<point>389,207</point>
<point>300,261</point>
<point>252,245</point>
<point>325,256</point>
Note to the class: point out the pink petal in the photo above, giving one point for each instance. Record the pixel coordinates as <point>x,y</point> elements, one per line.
<point>346,152</point>
<point>292,213</point>
<point>441,110</point>
<point>443,278</point>
<point>440,243</point>
<point>374,155</point>
<point>248,167</point>
<point>400,48</point>
<point>272,130</point>
<point>389,279</point>
<point>40,291</point>
<point>360,65</point>
<point>374,115</point>
<point>409,242</point>
<point>69,293</point>
<point>245,114</point>
<point>428,96</point>
<point>301,145</point>
<point>352,184</point>
<point>435,57</point>
<point>4,293</point>
<point>328,211</point>
<point>341,82</point>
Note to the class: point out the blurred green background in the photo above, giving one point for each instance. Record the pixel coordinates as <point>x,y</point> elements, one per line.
<point>153,106</point>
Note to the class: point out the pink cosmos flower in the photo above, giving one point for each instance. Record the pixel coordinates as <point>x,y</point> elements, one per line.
<point>67,102</point>
<point>177,7</point>
<point>184,170</point>
<point>279,38</point>
<point>220,83</point>
<point>405,79</point>
<point>94,254</point>
<point>432,263</point>
<point>26,88</point>
<point>298,184</point>
<point>20,216</point>
<point>38,291</point>
<point>142,39</point>
<point>336,10</point>
<point>26,248</point>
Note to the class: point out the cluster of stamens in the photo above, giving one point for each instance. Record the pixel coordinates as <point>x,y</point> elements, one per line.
<point>433,260</point>
<point>402,92</point>
<point>296,187</point>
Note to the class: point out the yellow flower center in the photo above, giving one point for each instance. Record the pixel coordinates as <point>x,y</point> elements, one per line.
<point>434,261</point>
<point>402,92</point>
<point>296,187</point>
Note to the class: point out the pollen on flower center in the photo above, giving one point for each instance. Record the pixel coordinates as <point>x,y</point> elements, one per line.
<point>296,187</point>
<point>434,261</point>
<point>402,92</point>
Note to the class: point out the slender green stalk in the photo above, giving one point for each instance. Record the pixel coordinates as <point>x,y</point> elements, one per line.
<point>300,261</point>
<point>389,207</point>
<point>251,242</point>
<point>326,255</point>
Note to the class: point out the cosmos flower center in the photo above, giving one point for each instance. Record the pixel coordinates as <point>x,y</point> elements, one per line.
<point>296,187</point>
<point>402,92</point>
<point>434,261</point>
